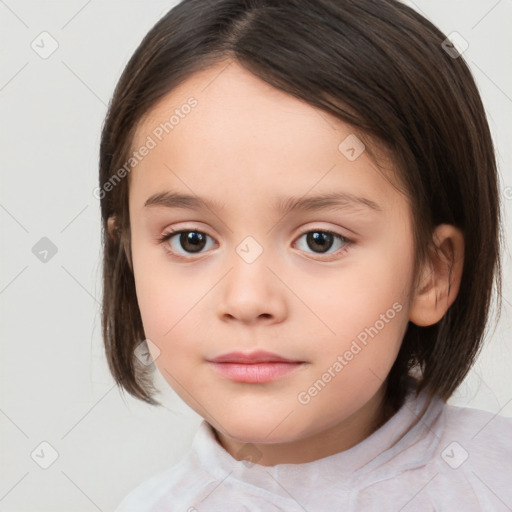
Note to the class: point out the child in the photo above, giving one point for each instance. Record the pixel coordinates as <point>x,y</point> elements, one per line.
<point>301,224</point>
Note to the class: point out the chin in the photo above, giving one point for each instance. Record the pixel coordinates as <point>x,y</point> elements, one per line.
<point>260,428</point>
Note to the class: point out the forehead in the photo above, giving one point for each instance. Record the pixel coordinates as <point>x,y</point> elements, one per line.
<point>243,134</point>
<point>228,97</point>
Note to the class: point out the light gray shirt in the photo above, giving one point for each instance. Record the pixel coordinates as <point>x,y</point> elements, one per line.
<point>453,459</point>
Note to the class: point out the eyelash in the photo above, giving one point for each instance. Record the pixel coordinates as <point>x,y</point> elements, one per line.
<point>171,233</point>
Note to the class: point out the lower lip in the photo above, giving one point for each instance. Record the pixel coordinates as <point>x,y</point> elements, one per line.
<point>256,373</point>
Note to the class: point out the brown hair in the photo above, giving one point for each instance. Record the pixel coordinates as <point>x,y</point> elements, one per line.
<point>375,64</point>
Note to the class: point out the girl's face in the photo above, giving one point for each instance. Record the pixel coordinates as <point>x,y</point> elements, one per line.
<point>291,243</point>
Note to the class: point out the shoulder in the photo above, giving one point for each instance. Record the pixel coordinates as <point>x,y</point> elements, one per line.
<point>481,438</point>
<point>149,492</point>
<point>453,458</point>
<point>481,431</point>
<point>176,488</point>
<point>179,486</point>
<point>473,460</point>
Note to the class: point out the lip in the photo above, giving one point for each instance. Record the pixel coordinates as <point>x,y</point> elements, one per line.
<point>259,356</point>
<point>254,368</point>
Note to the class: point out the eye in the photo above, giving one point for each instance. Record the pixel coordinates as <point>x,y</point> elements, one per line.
<point>186,241</point>
<point>321,241</point>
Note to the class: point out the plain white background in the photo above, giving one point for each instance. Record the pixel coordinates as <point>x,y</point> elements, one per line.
<point>55,385</point>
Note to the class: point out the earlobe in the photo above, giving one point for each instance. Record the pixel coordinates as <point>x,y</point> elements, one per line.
<point>440,277</point>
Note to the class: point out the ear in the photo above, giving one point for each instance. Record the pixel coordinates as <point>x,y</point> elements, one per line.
<point>440,277</point>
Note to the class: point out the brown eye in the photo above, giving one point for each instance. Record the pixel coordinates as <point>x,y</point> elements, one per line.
<point>320,242</point>
<point>192,241</point>
<point>186,242</point>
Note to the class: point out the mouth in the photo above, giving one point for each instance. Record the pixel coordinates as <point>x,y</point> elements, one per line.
<point>255,368</point>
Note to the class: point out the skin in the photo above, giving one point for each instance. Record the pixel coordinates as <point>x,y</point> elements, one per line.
<point>244,145</point>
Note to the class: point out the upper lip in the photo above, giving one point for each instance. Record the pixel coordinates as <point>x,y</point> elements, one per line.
<point>259,356</point>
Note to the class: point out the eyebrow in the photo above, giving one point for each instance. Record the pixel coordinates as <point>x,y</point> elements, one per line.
<point>338,200</point>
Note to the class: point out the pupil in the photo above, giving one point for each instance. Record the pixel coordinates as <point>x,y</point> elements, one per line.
<point>192,241</point>
<point>319,240</point>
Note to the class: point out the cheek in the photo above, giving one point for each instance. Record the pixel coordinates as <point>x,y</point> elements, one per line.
<point>166,309</point>
<point>166,296</point>
<point>352,365</point>
<point>346,301</point>
<point>167,313</point>
<point>364,315</point>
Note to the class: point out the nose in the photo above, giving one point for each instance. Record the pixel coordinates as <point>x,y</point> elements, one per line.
<point>251,293</point>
